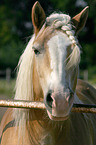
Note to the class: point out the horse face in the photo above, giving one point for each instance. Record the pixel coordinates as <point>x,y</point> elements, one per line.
<point>53,48</point>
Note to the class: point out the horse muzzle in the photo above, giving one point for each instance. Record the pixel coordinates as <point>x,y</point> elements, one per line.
<point>58,104</point>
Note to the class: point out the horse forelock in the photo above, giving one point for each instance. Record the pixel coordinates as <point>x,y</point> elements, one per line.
<point>55,17</point>
<point>63,22</point>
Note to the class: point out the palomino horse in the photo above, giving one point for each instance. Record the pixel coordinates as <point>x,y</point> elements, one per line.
<point>48,71</point>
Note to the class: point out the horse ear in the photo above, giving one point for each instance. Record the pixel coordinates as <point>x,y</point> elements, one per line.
<point>38,17</point>
<point>80,19</point>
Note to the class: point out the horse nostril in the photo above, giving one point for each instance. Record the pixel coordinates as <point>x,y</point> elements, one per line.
<point>71,93</point>
<point>49,99</point>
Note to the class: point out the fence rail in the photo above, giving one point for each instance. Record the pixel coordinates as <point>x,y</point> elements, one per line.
<point>82,108</point>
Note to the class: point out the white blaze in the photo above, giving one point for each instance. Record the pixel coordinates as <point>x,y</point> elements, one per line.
<point>58,52</point>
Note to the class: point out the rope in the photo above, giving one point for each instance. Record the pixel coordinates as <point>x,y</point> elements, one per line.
<point>82,108</point>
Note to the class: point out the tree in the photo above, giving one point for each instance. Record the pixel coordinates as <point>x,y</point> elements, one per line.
<point>16,27</point>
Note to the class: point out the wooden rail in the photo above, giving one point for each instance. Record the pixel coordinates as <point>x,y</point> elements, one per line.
<point>82,108</point>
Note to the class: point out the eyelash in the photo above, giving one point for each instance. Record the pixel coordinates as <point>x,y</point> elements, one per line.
<point>36,51</point>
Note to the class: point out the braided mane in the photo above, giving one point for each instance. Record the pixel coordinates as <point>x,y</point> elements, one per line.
<point>63,22</point>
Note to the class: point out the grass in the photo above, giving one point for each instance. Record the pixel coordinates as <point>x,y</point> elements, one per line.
<point>91,75</point>
<point>6,88</point>
<point>6,92</point>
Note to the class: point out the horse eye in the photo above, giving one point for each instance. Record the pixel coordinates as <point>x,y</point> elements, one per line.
<point>36,51</point>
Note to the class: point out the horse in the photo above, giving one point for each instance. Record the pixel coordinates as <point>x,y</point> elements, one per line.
<point>48,71</point>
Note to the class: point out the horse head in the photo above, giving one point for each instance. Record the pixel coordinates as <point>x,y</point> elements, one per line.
<point>56,57</point>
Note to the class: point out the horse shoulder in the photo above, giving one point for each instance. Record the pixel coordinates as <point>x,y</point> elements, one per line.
<point>9,132</point>
<point>5,126</point>
<point>5,120</point>
<point>11,137</point>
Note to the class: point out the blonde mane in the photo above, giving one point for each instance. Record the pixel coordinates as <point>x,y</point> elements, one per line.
<point>24,86</point>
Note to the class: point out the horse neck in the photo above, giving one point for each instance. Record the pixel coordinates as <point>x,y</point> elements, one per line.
<point>43,130</point>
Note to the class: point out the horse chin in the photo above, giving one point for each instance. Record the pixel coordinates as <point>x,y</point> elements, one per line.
<point>56,118</point>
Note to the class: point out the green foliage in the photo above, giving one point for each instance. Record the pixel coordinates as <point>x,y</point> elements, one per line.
<point>90,50</point>
<point>92,76</point>
<point>88,55</point>
<point>14,17</point>
<point>10,54</point>
<point>10,45</point>
<point>61,4</point>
